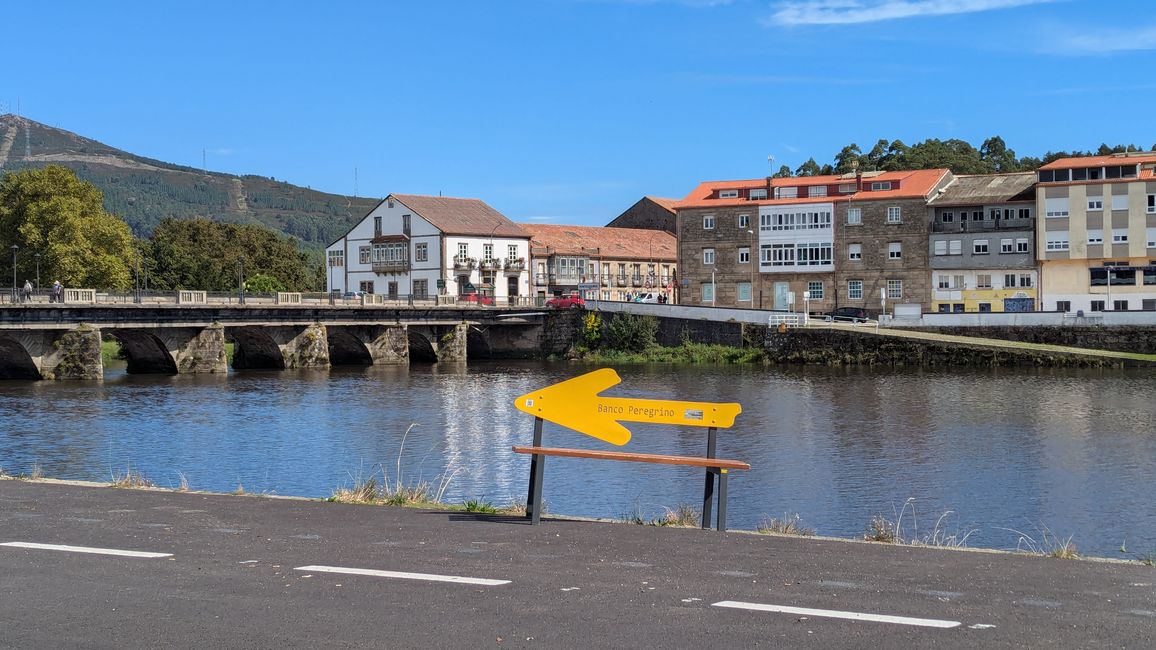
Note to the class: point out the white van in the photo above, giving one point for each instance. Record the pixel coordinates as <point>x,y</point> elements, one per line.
<point>650,297</point>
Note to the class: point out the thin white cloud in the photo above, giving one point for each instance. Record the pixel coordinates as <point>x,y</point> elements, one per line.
<point>848,12</point>
<point>1117,39</point>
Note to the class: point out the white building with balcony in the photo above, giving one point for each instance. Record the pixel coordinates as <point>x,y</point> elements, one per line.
<point>419,247</point>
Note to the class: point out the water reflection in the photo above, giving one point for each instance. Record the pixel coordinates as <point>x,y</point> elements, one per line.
<point>1003,449</point>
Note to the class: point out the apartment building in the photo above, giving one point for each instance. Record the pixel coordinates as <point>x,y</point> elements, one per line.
<point>1096,233</point>
<point>814,243</point>
<point>602,263</point>
<point>982,247</point>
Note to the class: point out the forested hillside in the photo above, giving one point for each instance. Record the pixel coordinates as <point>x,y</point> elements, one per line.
<point>144,192</point>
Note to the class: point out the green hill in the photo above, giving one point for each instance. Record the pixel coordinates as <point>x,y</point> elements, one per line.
<point>143,191</point>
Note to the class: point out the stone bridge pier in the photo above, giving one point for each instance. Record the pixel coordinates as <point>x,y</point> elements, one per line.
<point>176,350</point>
<point>438,343</point>
<point>51,354</point>
<point>368,345</point>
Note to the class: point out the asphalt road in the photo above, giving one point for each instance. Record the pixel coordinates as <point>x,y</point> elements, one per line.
<point>233,576</point>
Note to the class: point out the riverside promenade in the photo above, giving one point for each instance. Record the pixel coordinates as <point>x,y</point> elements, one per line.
<point>86,566</point>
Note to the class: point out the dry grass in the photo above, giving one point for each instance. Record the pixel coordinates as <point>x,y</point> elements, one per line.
<point>1045,543</point>
<point>788,525</point>
<point>398,491</point>
<point>240,491</point>
<point>882,529</point>
<point>36,473</point>
<point>131,479</point>
<point>183,486</point>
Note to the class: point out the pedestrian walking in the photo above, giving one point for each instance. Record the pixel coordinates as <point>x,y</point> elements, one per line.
<point>57,292</point>
<point>27,295</point>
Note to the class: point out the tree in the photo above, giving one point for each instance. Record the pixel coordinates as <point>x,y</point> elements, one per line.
<point>877,157</point>
<point>809,168</point>
<point>784,172</point>
<point>51,212</point>
<point>262,283</point>
<point>848,160</point>
<point>998,158</point>
<point>203,254</point>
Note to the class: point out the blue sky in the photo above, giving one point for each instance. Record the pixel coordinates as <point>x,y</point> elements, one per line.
<point>569,111</point>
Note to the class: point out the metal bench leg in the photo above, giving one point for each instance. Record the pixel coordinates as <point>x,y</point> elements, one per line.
<point>708,490</point>
<point>531,498</point>
<point>537,490</point>
<point>722,500</point>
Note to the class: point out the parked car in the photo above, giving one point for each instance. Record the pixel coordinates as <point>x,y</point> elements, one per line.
<point>847,315</point>
<point>566,302</point>
<point>652,297</point>
<point>476,298</point>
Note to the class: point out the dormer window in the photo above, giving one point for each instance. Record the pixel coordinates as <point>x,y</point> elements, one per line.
<point>786,192</point>
<point>817,190</point>
<point>880,186</point>
<point>847,188</point>
<point>758,195</point>
<point>728,194</point>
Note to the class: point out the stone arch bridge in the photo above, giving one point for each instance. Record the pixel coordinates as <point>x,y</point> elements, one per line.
<point>63,342</point>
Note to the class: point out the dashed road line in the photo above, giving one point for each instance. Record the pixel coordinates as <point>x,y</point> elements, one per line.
<point>85,549</point>
<point>403,575</point>
<point>832,613</point>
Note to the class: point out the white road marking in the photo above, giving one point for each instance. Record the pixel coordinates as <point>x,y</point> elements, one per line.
<point>832,613</point>
<point>85,549</point>
<point>431,577</point>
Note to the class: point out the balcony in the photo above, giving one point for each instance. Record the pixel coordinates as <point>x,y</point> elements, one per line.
<point>606,280</point>
<point>515,265</point>
<point>489,264</point>
<point>987,225</point>
<point>390,266</point>
<point>636,280</point>
<point>620,281</point>
<point>463,263</point>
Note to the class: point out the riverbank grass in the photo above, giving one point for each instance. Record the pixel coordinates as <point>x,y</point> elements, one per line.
<point>788,525</point>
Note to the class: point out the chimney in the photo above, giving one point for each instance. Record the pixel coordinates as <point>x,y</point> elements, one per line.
<point>770,193</point>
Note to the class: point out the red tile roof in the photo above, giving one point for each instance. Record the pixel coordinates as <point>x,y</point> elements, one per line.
<point>460,216</point>
<point>603,241</point>
<point>1102,161</point>
<point>669,204</point>
<point>912,184</point>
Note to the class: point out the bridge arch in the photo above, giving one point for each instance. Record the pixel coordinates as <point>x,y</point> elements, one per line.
<point>15,361</point>
<point>255,349</point>
<point>346,349</point>
<point>422,345</point>
<point>144,352</point>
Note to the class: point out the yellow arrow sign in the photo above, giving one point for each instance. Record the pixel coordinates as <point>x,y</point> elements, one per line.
<point>575,404</point>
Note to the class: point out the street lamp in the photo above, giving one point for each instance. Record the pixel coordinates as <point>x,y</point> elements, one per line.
<point>37,273</point>
<point>241,280</point>
<point>14,249</point>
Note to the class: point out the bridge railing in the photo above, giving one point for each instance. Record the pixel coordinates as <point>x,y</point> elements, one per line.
<point>184,297</point>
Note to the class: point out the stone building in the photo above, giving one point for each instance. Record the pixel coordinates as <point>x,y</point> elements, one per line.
<point>814,243</point>
<point>983,244</point>
<point>649,213</point>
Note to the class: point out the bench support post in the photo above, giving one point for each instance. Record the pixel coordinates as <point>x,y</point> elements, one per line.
<point>722,499</point>
<point>708,489</point>
<point>537,465</point>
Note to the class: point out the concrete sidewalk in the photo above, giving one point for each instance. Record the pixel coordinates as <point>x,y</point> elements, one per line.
<point>259,572</point>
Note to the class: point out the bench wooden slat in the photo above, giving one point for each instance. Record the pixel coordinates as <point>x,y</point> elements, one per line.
<point>693,461</point>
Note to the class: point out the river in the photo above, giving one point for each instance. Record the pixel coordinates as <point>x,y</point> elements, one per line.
<point>1007,453</point>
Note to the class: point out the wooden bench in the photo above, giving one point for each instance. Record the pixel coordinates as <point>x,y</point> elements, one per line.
<point>714,466</point>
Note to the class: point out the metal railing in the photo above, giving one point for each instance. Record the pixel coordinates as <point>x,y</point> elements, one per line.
<point>182,298</point>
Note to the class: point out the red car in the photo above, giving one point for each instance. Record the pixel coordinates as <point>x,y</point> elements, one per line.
<point>476,298</point>
<point>566,302</point>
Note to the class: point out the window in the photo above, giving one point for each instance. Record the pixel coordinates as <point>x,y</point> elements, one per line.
<point>1152,204</point>
<point>895,288</point>
<point>421,252</point>
<point>363,254</point>
<point>957,282</point>
<point>405,224</point>
<point>1097,305</point>
<point>955,247</point>
<point>1119,305</point>
<point>983,281</point>
<point>708,292</point>
<point>1006,246</point>
<point>786,192</point>
<point>1026,279</point>
<point>365,286</point>
<point>377,226</point>
<point>943,281</point>
<point>1063,305</point>
<point>894,250</point>
<point>1009,281</point>
<point>758,195</point>
<point>743,291</point>
<point>1095,237</point>
<point>1056,207</point>
<point>1057,240</point>
<point>940,247</point>
<point>816,289</point>
<point>420,288</point>
<point>463,250</point>
<point>744,221</point>
<point>728,194</point>
<point>336,258</point>
<point>1152,238</point>
<point>487,252</point>
<point>1025,213</point>
<point>985,307</point>
<point>1095,204</point>
<point>817,190</point>
<point>512,251</point>
<point>708,222</point>
<point>948,217</point>
<point>854,251</point>
<point>854,289</point>
<point>1119,201</point>
<point>1150,275</point>
<point>855,216</point>
<point>1022,245</point>
<point>894,214</point>
<point>744,255</point>
<point>979,247</point>
<point>708,256</point>
<point>1119,235</point>
<point>847,188</point>
<point>879,186</point>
